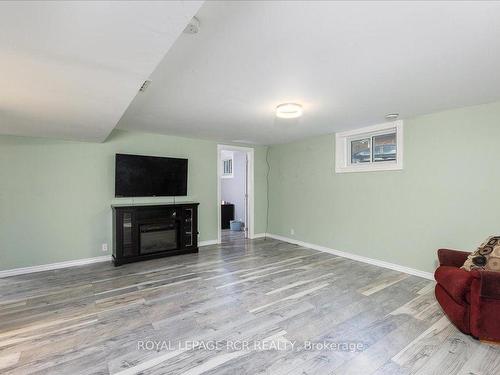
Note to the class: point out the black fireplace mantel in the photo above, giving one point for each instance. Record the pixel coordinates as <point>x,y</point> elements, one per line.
<point>149,231</point>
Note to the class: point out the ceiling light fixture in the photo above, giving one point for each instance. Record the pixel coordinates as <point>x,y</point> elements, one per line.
<point>391,116</point>
<point>289,110</point>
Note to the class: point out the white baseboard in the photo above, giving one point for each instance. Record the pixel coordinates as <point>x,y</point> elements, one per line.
<point>54,266</point>
<point>207,243</point>
<point>106,258</point>
<point>71,263</point>
<point>359,258</point>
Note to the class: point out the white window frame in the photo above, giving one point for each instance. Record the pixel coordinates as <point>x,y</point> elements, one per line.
<point>225,156</point>
<point>343,148</point>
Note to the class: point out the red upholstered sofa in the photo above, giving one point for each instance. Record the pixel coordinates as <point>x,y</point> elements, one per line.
<point>471,300</point>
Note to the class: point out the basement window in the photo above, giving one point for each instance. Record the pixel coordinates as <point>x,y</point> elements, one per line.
<point>374,148</point>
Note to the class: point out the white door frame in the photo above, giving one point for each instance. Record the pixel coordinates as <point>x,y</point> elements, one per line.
<point>250,186</point>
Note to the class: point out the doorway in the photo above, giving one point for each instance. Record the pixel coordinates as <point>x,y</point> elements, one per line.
<point>235,188</point>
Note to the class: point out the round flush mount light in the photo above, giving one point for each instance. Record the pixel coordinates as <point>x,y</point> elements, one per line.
<point>289,110</point>
<point>391,116</point>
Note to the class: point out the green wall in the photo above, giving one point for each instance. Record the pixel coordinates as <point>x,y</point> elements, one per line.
<point>447,195</point>
<point>55,196</point>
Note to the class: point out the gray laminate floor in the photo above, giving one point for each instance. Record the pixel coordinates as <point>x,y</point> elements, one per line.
<point>245,307</point>
<point>228,235</point>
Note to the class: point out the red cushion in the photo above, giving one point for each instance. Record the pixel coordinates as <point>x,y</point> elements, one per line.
<point>458,313</point>
<point>484,313</point>
<point>455,281</point>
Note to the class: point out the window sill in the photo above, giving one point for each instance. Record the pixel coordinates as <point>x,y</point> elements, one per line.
<point>369,168</point>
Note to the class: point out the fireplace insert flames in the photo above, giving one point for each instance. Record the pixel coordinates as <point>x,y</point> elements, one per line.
<point>157,237</point>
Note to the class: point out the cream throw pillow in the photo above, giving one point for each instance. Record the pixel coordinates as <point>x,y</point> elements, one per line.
<point>486,257</point>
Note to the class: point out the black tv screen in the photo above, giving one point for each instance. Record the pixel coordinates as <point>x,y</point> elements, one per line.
<point>148,176</point>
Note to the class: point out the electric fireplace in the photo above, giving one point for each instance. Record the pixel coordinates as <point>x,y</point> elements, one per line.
<point>152,231</point>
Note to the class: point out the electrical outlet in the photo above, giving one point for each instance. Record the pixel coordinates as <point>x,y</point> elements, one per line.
<point>104,247</point>
<point>292,231</point>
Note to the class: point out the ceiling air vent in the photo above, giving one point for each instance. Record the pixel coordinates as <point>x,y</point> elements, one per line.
<point>145,85</point>
<point>193,26</point>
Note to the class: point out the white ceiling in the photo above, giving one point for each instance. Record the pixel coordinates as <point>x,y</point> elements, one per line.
<point>348,63</point>
<point>70,69</point>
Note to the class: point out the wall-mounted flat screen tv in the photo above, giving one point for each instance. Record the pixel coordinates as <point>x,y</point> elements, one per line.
<point>150,176</point>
